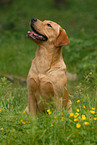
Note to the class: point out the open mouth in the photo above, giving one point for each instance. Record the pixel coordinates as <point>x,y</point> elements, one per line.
<point>36,35</point>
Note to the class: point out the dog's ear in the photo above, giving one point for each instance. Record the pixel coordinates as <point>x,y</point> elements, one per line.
<point>62,38</point>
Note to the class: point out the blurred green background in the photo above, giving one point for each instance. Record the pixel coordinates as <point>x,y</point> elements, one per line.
<point>77,17</point>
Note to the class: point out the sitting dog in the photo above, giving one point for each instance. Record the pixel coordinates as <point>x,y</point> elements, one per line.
<point>47,76</point>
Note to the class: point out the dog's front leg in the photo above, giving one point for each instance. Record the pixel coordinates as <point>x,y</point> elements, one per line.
<point>32,93</point>
<point>32,103</point>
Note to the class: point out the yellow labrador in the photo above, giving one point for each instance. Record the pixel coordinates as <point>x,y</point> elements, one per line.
<point>47,76</point>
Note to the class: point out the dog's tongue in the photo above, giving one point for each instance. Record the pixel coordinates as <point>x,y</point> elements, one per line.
<point>30,32</point>
<point>35,35</point>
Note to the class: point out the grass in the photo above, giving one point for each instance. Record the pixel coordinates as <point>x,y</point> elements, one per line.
<point>53,127</point>
<point>16,53</point>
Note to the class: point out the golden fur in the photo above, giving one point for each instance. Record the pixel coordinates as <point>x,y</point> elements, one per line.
<point>47,76</point>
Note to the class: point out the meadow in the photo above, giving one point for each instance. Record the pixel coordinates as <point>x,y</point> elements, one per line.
<point>79,19</point>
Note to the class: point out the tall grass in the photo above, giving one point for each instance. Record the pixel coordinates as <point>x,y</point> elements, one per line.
<point>52,127</point>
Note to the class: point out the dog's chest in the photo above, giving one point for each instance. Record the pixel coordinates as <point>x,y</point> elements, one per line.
<point>46,84</point>
<point>43,64</point>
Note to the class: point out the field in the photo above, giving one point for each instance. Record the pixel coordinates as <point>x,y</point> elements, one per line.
<point>79,19</point>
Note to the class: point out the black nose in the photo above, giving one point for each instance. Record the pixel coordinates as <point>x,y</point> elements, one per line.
<point>33,20</point>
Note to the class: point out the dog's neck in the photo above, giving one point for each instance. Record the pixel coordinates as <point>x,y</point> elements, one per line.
<point>48,58</point>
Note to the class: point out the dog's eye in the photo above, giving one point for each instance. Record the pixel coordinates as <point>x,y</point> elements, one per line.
<point>49,25</point>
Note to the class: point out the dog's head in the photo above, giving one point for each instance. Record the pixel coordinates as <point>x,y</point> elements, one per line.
<point>47,32</point>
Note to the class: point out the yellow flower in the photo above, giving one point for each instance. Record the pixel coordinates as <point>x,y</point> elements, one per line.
<point>91,73</point>
<point>1,129</point>
<point>78,125</point>
<point>93,108</point>
<point>84,106</point>
<point>48,110</point>
<point>91,111</point>
<point>76,119</point>
<point>0,110</point>
<point>79,117</point>
<point>76,113</point>
<point>62,118</point>
<point>86,123</point>
<point>95,115</point>
<point>93,127</point>
<point>84,117</point>
<point>75,116</point>
<point>71,114</point>
<point>24,122</point>
<point>21,120</point>
<point>78,101</point>
<point>51,124</point>
<point>94,118</point>
<point>49,113</point>
<point>55,117</point>
<point>77,110</point>
<point>24,112</point>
